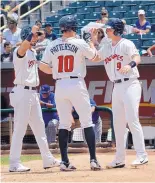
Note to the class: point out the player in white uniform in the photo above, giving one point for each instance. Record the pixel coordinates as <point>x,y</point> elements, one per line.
<point>121,59</point>
<point>66,56</point>
<point>24,99</point>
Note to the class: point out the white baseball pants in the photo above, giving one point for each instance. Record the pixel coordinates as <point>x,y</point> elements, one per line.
<point>27,110</point>
<point>125,106</point>
<point>69,93</point>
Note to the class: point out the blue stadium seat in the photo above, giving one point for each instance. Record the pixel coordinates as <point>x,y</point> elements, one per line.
<point>94,4</point>
<point>152,7</point>
<point>153,27</point>
<point>78,4</point>
<point>83,23</point>
<point>139,7</point>
<point>85,10</point>
<point>130,14</point>
<point>137,43</point>
<point>130,3</point>
<point>98,9</point>
<point>56,24</point>
<point>148,36</point>
<point>53,18</point>
<point>153,20</point>
<point>56,30</point>
<point>131,36</point>
<point>128,21</point>
<point>113,3</point>
<point>116,14</point>
<point>147,3</point>
<point>67,11</point>
<point>121,8</point>
<point>150,14</point>
<point>80,16</point>
<point>92,17</point>
<point>148,43</point>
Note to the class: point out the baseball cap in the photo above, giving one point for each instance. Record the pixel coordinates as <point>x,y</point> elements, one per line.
<point>48,24</point>
<point>141,12</point>
<point>45,89</point>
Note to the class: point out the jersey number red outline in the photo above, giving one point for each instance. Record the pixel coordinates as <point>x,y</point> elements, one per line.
<point>119,65</point>
<point>65,63</point>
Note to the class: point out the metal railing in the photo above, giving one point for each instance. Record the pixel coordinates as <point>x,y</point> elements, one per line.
<point>103,109</point>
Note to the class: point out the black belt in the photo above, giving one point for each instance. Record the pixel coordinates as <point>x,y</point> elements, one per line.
<point>120,80</point>
<point>71,77</point>
<point>29,87</point>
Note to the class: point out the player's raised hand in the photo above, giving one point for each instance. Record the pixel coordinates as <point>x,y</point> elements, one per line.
<point>125,69</point>
<point>35,29</point>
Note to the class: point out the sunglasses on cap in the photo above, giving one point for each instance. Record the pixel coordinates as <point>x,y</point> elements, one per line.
<point>104,14</point>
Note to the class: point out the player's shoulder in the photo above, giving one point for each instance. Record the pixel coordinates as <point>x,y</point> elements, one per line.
<point>127,42</point>
<point>6,31</point>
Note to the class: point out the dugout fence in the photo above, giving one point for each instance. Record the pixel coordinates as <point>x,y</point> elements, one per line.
<point>7,128</point>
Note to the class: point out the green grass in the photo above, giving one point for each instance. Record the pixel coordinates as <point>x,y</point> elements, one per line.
<point>24,158</point>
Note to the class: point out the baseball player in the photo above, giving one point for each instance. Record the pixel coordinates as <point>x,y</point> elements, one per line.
<point>25,100</point>
<point>121,59</point>
<point>66,56</point>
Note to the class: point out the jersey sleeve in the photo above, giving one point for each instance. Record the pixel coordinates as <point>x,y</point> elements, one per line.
<point>131,50</point>
<point>47,56</point>
<point>148,25</point>
<point>87,51</point>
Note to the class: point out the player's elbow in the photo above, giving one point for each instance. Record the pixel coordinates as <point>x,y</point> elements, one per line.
<point>45,68</point>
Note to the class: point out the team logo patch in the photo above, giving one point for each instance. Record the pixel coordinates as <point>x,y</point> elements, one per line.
<point>31,63</point>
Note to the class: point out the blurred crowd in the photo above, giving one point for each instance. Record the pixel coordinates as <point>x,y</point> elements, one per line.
<point>10,37</point>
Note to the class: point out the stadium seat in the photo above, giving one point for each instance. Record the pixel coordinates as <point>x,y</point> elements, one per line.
<point>78,4</point>
<point>83,23</point>
<point>130,14</point>
<point>98,9</point>
<point>67,11</point>
<point>130,3</point>
<point>116,15</point>
<point>80,16</point>
<point>147,3</point>
<point>92,17</point>
<point>148,36</point>
<point>85,10</point>
<point>121,8</point>
<point>53,18</point>
<point>131,36</point>
<point>139,7</point>
<point>113,3</point>
<point>56,24</point>
<point>137,43</point>
<point>152,7</point>
<point>94,4</point>
<point>148,43</point>
<point>150,14</point>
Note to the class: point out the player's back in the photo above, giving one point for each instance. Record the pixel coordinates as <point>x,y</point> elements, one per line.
<point>67,57</point>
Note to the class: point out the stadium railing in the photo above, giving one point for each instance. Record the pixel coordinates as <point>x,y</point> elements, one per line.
<point>10,111</point>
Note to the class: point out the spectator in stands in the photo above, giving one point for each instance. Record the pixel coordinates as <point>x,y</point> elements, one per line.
<point>142,26</point>
<point>12,6</point>
<point>12,33</point>
<point>51,120</point>
<point>49,32</point>
<point>104,16</point>
<point>151,50</point>
<point>97,121</point>
<point>7,55</point>
<point>2,41</point>
<point>41,45</point>
<point>39,24</point>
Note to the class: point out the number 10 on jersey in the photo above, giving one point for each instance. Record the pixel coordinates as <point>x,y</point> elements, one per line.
<point>65,63</point>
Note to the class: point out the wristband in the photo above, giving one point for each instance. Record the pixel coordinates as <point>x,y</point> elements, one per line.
<point>132,64</point>
<point>29,37</point>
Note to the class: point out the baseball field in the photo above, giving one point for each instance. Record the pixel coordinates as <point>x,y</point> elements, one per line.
<point>145,173</point>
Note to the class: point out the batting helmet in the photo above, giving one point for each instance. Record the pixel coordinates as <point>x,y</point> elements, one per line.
<point>25,32</point>
<point>68,23</point>
<point>116,24</point>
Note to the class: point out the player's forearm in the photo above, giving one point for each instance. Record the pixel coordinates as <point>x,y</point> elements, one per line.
<point>137,59</point>
<point>45,68</point>
<point>25,45</point>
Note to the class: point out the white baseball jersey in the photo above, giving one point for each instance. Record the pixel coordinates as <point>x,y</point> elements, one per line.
<point>26,69</point>
<point>115,57</point>
<point>67,57</point>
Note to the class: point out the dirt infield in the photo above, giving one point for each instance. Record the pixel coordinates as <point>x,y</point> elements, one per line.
<point>145,173</point>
